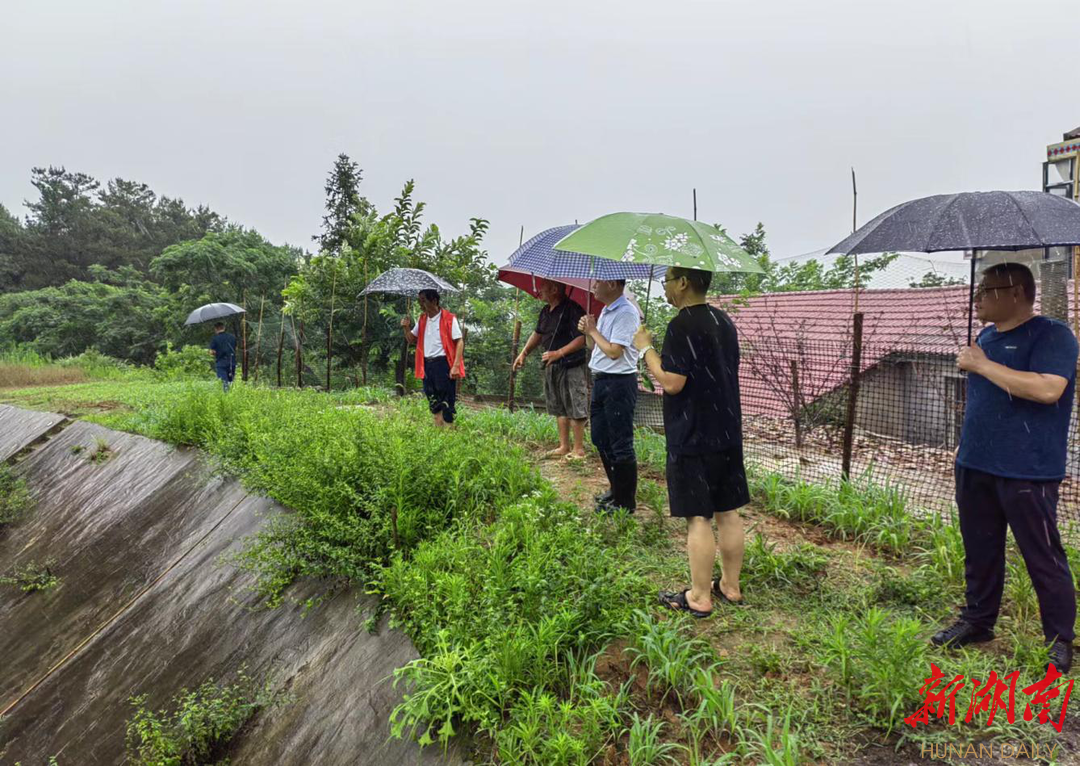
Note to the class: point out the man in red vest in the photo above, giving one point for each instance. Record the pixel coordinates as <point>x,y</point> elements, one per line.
<point>439,360</point>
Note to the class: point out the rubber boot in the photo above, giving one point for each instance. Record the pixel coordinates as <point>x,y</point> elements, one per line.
<point>625,485</point>
<point>603,500</point>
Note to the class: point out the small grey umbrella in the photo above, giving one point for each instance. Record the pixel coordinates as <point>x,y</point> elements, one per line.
<point>213,311</point>
<point>407,282</point>
<point>994,220</point>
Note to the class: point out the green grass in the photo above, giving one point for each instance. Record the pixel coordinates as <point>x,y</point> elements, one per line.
<point>536,622</point>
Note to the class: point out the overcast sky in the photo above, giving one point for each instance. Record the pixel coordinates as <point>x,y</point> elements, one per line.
<point>535,114</point>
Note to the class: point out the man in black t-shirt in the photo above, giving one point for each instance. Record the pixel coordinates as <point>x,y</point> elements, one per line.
<point>699,372</point>
<point>565,387</point>
<point>223,349</point>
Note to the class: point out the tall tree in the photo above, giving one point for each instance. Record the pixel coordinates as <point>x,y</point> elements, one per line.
<point>343,202</point>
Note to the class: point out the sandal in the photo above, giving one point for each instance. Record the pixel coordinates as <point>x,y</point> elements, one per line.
<point>678,602</point>
<point>720,594</point>
<point>573,457</point>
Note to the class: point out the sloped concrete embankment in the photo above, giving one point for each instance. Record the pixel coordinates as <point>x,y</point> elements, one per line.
<point>146,604</point>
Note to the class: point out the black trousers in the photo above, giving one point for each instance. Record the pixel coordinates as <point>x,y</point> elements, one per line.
<point>987,504</point>
<point>612,412</point>
<point>439,388</point>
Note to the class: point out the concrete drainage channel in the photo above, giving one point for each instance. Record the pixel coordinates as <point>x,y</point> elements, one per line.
<point>145,605</point>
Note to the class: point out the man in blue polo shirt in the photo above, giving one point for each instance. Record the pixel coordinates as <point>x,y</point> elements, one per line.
<point>614,395</point>
<point>1021,381</point>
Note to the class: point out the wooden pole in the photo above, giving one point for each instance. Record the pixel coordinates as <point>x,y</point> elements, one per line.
<point>695,204</point>
<point>404,352</point>
<point>853,395</point>
<point>281,335</point>
<point>297,335</point>
<point>854,226</point>
<point>363,333</point>
<point>258,339</point>
<point>513,355</point>
<point>796,403</point>
<point>330,330</point>
<point>243,333</point>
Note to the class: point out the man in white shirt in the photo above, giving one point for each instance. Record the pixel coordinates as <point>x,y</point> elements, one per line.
<point>439,356</point>
<point>614,396</point>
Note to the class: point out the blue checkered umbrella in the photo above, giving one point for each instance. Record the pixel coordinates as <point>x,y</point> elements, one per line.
<point>538,256</point>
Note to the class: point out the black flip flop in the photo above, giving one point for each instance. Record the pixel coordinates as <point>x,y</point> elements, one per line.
<point>720,594</point>
<point>678,602</point>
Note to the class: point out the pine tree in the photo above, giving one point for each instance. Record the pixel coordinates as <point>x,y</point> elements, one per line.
<point>343,201</point>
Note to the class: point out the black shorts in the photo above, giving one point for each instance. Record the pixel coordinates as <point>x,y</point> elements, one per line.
<point>439,388</point>
<point>701,485</point>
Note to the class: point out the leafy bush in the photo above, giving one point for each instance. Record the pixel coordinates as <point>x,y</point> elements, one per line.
<point>200,726</point>
<point>32,577</point>
<point>183,363</point>
<point>503,610</point>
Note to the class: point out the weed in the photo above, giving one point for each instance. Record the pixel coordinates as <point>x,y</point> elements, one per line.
<point>766,567</point>
<point>15,499</point>
<point>775,746</point>
<point>32,577</point>
<point>875,658</point>
<point>645,746</point>
<point>100,452</point>
<point>671,657</point>
<point>200,726</point>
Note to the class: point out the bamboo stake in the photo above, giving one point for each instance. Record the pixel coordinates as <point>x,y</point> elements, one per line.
<point>243,333</point>
<point>363,333</point>
<point>330,330</point>
<point>258,339</point>
<point>854,226</point>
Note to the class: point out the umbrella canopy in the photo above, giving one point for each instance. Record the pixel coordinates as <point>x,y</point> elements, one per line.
<point>577,290</point>
<point>538,256</point>
<point>213,311</point>
<point>995,220</point>
<point>407,282</point>
<point>664,240</point>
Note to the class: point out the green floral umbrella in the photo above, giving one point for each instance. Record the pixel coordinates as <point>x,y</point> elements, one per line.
<point>662,240</point>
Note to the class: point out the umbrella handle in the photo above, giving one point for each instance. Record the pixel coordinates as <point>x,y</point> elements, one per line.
<point>648,292</point>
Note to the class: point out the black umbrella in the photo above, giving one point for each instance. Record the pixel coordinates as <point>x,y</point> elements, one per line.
<point>213,311</point>
<point>407,282</point>
<point>996,220</point>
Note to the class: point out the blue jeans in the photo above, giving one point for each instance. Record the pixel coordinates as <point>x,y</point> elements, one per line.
<point>226,370</point>
<point>612,409</point>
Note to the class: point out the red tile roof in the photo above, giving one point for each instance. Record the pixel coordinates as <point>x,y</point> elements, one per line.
<point>815,329</point>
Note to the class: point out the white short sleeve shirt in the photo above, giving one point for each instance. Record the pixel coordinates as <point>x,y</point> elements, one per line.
<point>432,340</point>
<point>617,323</point>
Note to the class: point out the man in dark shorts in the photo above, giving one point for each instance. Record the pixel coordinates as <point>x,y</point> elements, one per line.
<point>223,349</point>
<point>565,387</point>
<point>699,372</point>
<point>1013,445</point>
<point>439,358</point>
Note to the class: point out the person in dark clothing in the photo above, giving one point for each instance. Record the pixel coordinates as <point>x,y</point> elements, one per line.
<point>698,369</point>
<point>223,349</point>
<point>1011,459</point>
<point>565,384</point>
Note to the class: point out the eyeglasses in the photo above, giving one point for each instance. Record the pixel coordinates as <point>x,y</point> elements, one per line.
<point>671,279</point>
<point>982,290</point>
